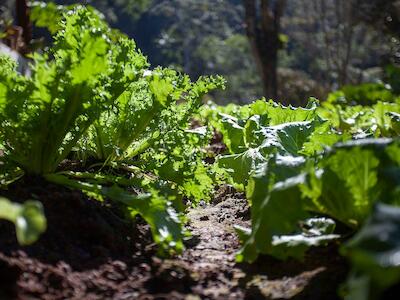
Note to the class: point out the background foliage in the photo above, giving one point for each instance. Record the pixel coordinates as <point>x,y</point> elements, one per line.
<point>327,43</point>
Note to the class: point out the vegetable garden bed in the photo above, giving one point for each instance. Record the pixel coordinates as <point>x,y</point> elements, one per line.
<point>122,184</point>
<point>98,255</point>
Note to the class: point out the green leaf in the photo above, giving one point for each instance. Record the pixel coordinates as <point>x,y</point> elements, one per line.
<point>276,113</point>
<point>374,253</point>
<point>28,218</point>
<point>161,88</point>
<point>276,214</point>
<point>322,138</point>
<point>48,15</point>
<point>355,172</point>
<point>286,139</point>
<point>315,232</point>
<point>290,136</point>
<point>233,133</point>
<point>157,211</point>
<point>240,166</point>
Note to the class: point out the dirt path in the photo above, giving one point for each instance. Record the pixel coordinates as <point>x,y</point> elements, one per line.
<point>88,252</point>
<point>211,260</point>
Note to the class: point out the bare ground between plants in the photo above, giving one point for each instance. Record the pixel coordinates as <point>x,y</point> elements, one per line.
<point>89,252</point>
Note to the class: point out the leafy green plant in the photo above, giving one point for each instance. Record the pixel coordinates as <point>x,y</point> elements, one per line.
<point>364,94</point>
<point>93,94</point>
<point>280,201</point>
<point>265,128</point>
<point>144,113</point>
<point>43,116</point>
<point>149,127</point>
<point>290,162</point>
<point>48,15</point>
<point>362,121</point>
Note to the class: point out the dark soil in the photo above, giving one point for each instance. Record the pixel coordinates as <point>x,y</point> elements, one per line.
<point>91,252</point>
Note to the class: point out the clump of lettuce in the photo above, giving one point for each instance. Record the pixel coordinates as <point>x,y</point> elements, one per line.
<point>299,165</point>
<point>93,95</point>
<point>44,115</point>
<point>149,128</point>
<point>343,185</point>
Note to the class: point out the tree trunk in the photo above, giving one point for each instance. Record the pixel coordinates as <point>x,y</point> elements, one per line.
<point>22,19</point>
<point>263,31</point>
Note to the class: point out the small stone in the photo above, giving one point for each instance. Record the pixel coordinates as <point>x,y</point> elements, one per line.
<point>204,218</point>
